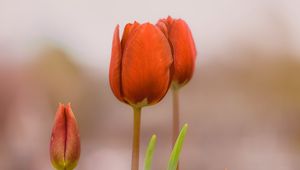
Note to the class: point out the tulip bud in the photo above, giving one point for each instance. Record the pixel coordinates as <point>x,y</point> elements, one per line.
<point>65,141</point>
<point>140,67</point>
<point>183,49</point>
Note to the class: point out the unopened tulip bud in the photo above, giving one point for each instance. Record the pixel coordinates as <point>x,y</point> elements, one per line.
<point>65,141</point>
<point>183,49</point>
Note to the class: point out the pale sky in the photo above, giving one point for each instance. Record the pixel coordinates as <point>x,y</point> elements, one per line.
<point>85,28</point>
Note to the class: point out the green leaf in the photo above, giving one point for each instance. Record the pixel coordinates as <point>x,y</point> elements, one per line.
<point>149,153</point>
<point>173,161</point>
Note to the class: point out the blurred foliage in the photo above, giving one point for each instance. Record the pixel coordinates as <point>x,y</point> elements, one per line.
<point>174,157</point>
<point>149,153</point>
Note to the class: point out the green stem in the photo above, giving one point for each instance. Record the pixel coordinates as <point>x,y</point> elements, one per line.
<point>136,138</point>
<point>175,114</point>
<point>176,119</point>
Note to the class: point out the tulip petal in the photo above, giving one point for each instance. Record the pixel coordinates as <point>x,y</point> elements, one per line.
<point>57,143</point>
<point>146,65</point>
<point>128,30</point>
<point>72,150</point>
<point>163,27</point>
<point>184,51</point>
<point>169,20</point>
<point>115,65</point>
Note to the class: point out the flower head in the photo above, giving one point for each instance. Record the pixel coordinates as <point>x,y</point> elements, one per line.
<point>65,141</point>
<point>140,67</point>
<point>183,48</point>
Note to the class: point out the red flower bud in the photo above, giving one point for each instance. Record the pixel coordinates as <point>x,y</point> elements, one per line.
<point>140,65</point>
<point>183,48</point>
<point>65,141</point>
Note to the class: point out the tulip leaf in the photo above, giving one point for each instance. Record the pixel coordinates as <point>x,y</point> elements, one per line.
<point>149,153</point>
<point>173,161</point>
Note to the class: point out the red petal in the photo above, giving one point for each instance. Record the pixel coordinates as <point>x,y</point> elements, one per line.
<point>163,27</point>
<point>146,65</point>
<point>170,20</point>
<point>115,65</point>
<point>128,30</point>
<point>57,143</point>
<point>184,51</point>
<point>72,150</point>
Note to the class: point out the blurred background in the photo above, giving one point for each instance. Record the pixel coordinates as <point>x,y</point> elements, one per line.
<point>242,105</point>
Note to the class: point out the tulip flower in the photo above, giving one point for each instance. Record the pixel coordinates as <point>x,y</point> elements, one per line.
<point>65,141</point>
<point>184,54</point>
<point>140,71</point>
<point>183,49</point>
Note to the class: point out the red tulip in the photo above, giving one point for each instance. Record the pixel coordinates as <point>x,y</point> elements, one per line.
<point>183,48</point>
<point>140,65</point>
<point>65,141</point>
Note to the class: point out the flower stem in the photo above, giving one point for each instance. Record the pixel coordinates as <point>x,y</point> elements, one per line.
<point>136,138</point>
<point>176,120</point>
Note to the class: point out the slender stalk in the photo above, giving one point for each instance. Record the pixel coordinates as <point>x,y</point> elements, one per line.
<point>176,119</point>
<point>136,138</point>
<point>175,92</point>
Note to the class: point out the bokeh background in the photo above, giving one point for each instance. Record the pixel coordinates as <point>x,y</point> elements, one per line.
<point>242,105</point>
